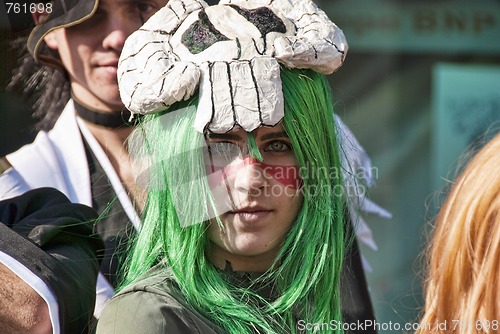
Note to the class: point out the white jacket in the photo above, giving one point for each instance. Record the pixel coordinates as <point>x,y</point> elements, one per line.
<point>57,159</point>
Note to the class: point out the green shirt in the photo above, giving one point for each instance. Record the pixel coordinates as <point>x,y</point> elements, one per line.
<point>152,305</point>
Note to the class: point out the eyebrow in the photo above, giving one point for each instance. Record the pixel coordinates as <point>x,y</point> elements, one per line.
<point>231,136</point>
<point>226,136</point>
<point>128,2</point>
<point>274,135</point>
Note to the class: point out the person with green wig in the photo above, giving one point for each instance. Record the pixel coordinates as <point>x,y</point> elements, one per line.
<point>244,229</point>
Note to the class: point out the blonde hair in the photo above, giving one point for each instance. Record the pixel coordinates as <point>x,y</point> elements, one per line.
<point>462,286</point>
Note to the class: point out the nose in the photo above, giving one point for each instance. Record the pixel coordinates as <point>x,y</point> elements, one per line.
<point>118,29</point>
<point>250,178</point>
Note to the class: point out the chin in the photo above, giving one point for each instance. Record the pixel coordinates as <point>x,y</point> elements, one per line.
<point>114,104</point>
<point>253,249</point>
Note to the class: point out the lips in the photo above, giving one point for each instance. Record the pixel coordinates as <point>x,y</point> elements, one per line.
<point>251,214</point>
<point>109,63</point>
<point>110,67</point>
<point>250,209</point>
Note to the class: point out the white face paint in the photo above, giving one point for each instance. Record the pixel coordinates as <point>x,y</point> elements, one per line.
<point>232,52</point>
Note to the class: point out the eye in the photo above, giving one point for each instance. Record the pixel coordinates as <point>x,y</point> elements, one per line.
<point>222,148</point>
<point>146,9</point>
<point>278,146</point>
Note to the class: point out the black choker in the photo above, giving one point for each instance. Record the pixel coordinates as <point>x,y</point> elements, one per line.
<point>112,120</point>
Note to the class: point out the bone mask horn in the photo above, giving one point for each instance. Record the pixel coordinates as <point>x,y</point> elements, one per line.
<point>232,53</point>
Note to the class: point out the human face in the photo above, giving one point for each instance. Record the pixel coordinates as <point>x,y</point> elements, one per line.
<point>264,202</point>
<point>90,50</point>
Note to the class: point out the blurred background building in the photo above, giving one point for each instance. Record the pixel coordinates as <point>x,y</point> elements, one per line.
<point>421,84</point>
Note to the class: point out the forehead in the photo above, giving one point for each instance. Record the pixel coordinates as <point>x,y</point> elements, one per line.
<point>103,4</point>
<point>117,2</point>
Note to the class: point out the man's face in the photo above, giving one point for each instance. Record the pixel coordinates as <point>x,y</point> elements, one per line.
<point>90,50</point>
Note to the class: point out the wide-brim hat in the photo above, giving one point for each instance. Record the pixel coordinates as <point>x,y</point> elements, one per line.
<point>63,14</point>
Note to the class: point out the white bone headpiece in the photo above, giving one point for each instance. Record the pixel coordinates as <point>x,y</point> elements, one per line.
<point>232,52</point>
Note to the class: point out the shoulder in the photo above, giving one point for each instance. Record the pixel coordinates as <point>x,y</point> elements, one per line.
<point>11,182</point>
<point>4,165</point>
<point>50,245</point>
<point>16,167</point>
<point>153,305</point>
<point>44,140</point>
<point>59,157</point>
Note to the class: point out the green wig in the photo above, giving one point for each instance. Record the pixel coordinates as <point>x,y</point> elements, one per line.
<point>309,263</point>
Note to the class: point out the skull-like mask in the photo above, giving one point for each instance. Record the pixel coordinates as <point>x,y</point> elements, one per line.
<point>232,52</point>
